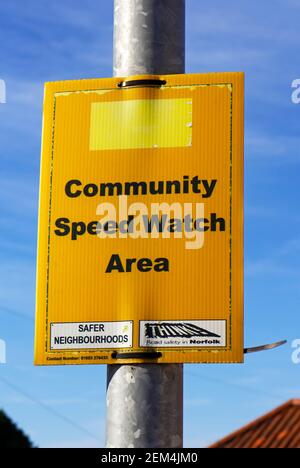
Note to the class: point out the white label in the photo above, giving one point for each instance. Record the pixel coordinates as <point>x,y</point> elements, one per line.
<point>91,335</point>
<point>183,334</point>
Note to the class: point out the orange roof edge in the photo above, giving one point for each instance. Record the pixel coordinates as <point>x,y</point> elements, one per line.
<point>293,402</point>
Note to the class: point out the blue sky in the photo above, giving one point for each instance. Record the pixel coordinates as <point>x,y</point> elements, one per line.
<point>69,39</point>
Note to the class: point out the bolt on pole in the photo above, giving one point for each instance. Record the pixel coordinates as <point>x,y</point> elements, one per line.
<point>145,401</point>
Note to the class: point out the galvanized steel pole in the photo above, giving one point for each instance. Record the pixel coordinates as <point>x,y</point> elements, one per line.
<point>145,402</point>
<point>149,37</point>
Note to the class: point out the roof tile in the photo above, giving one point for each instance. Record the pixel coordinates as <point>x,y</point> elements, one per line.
<point>278,429</point>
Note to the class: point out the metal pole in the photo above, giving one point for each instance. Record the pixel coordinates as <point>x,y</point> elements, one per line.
<point>149,37</point>
<point>145,402</point>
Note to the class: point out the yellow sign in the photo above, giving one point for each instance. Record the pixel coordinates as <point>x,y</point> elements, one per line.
<point>140,245</point>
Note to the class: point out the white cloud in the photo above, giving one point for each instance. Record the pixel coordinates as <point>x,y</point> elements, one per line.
<point>277,263</point>
<point>17,285</point>
<point>224,58</point>
<point>19,196</point>
<point>276,147</point>
<point>196,402</point>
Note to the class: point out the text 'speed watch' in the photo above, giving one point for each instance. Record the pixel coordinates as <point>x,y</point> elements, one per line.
<point>140,244</point>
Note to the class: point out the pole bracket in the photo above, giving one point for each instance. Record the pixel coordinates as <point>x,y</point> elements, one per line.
<point>142,83</point>
<point>149,355</point>
<point>266,347</point>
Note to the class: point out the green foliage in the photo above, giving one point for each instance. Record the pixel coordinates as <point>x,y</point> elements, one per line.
<point>10,435</point>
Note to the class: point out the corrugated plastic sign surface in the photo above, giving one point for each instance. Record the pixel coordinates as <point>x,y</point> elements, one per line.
<point>140,246</point>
